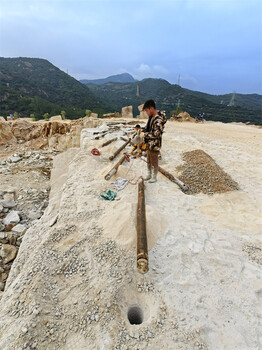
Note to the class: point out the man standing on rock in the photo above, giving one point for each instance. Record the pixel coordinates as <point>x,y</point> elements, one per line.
<point>153,138</point>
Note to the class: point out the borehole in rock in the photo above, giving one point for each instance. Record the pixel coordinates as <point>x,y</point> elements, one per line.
<point>135,315</point>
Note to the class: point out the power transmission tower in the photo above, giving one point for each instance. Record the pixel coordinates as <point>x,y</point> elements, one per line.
<point>232,101</point>
<point>178,80</point>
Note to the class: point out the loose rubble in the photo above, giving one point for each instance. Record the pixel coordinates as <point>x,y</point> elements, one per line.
<point>20,203</point>
<point>201,173</point>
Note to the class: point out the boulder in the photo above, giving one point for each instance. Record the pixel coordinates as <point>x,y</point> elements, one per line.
<point>127,112</point>
<point>3,237</point>
<point>112,115</point>
<point>142,114</point>
<point>94,115</point>
<point>8,253</point>
<point>56,118</point>
<point>9,195</point>
<point>19,228</point>
<point>14,158</point>
<point>2,119</point>
<point>89,122</point>
<point>11,218</point>
<point>8,203</point>
<point>34,215</point>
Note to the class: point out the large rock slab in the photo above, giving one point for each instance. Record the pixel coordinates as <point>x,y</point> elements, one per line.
<point>127,112</point>
<point>142,114</point>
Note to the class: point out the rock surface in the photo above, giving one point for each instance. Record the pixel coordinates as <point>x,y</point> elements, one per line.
<point>75,280</point>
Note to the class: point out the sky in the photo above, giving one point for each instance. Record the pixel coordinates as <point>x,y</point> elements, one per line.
<point>214,46</point>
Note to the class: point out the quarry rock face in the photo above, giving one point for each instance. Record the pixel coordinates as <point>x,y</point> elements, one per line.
<point>6,134</point>
<point>24,130</point>
<point>127,112</point>
<point>54,133</point>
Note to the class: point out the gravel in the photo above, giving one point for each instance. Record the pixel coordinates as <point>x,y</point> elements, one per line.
<point>202,174</point>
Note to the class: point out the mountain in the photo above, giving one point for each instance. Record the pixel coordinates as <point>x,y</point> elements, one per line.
<point>118,78</point>
<point>168,96</point>
<point>33,85</point>
<point>248,101</point>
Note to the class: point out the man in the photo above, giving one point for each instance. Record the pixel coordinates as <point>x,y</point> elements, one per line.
<point>153,138</point>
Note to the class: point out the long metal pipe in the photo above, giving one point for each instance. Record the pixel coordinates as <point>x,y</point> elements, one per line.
<point>142,251</point>
<point>114,169</point>
<point>109,141</point>
<point>119,150</point>
<point>172,178</point>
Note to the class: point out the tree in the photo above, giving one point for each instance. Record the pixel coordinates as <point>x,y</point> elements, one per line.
<point>16,115</point>
<point>32,116</point>
<point>88,112</point>
<point>46,116</point>
<point>178,110</point>
<point>63,115</point>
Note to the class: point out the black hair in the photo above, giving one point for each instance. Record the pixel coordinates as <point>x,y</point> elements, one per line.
<point>149,104</point>
<point>138,126</point>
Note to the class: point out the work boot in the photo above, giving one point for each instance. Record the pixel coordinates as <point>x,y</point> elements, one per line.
<point>149,174</point>
<point>153,179</point>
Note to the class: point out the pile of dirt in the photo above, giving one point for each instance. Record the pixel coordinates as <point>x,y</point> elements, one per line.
<point>202,174</point>
<point>184,117</point>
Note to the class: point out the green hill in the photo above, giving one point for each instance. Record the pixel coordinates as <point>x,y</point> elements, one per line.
<point>167,97</point>
<point>118,78</point>
<point>33,85</point>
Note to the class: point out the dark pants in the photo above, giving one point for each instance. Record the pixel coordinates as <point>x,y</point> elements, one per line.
<point>152,161</point>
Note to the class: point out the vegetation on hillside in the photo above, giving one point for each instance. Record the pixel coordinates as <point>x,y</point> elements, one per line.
<point>168,97</point>
<point>32,85</point>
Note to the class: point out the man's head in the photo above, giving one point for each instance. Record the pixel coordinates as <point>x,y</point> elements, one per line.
<point>150,108</point>
<point>138,127</point>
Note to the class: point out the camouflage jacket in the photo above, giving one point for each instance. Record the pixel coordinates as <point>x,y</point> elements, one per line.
<point>154,130</point>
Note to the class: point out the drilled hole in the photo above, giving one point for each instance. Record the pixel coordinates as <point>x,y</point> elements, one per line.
<point>135,315</point>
